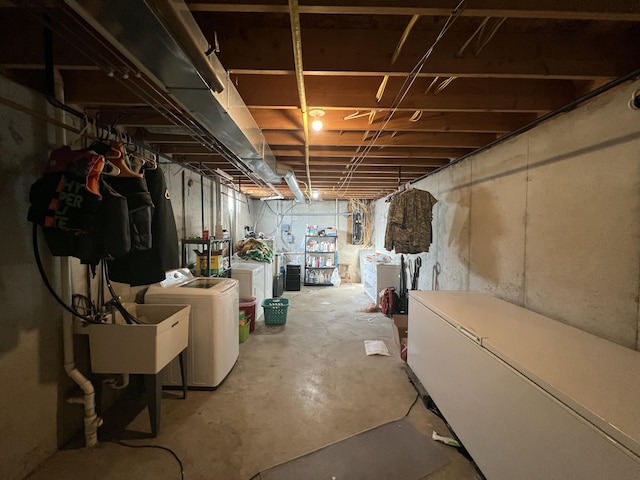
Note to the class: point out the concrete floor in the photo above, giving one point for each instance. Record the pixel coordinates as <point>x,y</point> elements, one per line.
<point>289,393</point>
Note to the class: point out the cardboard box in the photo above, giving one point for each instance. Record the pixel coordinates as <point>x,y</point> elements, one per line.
<point>216,267</point>
<point>401,332</point>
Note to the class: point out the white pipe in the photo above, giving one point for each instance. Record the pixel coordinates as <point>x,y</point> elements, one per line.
<point>113,382</point>
<point>218,231</point>
<point>91,420</point>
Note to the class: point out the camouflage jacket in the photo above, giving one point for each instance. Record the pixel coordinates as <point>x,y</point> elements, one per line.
<point>409,222</point>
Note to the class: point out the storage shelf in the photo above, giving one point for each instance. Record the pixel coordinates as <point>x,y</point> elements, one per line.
<point>320,250</point>
<point>209,245</point>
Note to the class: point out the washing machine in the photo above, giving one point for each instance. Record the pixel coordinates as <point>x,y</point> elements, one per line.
<point>213,327</point>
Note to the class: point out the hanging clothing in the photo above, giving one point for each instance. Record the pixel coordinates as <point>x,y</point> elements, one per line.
<point>409,222</point>
<point>67,198</point>
<point>144,267</point>
<point>72,205</point>
<point>140,207</point>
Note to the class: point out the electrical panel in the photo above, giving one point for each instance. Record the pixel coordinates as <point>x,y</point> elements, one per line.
<point>357,227</point>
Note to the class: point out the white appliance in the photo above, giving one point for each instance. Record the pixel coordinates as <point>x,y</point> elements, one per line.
<point>255,280</point>
<point>530,397</point>
<point>213,328</point>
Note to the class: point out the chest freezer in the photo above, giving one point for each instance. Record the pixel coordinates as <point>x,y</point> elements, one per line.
<point>252,282</point>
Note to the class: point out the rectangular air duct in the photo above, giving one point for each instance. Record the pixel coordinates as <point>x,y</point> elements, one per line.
<point>162,38</point>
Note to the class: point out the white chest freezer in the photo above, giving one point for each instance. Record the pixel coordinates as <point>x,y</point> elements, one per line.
<point>213,328</point>
<point>251,276</point>
<point>530,397</point>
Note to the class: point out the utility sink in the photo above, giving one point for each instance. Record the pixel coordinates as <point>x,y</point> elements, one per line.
<point>119,347</point>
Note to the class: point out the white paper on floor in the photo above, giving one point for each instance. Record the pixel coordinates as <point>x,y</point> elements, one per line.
<point>375,347</point>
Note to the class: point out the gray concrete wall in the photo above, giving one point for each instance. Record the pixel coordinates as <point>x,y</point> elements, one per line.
<point>549,220</point>
<point>35,419</point>
<point>270,216</point>
<point>31,410</point>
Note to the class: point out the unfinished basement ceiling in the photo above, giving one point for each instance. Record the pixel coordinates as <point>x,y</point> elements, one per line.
<point>393,112</point>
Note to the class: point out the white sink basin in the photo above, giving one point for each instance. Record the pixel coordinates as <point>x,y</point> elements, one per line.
<point>139,348</point>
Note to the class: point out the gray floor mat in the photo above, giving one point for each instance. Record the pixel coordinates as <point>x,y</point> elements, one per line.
<point>392,451</point>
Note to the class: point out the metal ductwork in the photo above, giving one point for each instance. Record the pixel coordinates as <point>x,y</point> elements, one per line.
<point>292,181</point>
<point>162,38</point>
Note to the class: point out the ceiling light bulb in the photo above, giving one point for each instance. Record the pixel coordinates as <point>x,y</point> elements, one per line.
<point>315,195</point>
<point>317,114</point>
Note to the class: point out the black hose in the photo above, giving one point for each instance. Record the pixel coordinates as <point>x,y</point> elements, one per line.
<point>128,317</point>
<point>36,254</point>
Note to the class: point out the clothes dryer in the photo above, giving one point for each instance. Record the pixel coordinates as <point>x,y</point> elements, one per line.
<point>213,328</point>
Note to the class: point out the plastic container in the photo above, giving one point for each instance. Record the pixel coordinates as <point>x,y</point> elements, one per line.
<point>244,331</point>
<point>248,306</point>
<point>244,327</point>
<point>275,310</point>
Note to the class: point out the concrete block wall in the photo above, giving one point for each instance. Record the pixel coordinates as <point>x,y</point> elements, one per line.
<point>549,220</point>
<point>35,419</point>
<point>270,218</point>
<point>32,410</point>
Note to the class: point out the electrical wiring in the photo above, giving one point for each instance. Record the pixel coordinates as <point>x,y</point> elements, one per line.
<point>159,447</point>
<point>400,96</point>
<point>357,205</point>
<point>279,219</point>
<point>412,405</point>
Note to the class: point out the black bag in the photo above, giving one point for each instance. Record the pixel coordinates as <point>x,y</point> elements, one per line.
<point>390,302</point>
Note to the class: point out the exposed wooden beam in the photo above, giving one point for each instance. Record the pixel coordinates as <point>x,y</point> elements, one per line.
<point>288,119</point>
<point>464,95</point>
<point>373,162</point>
<point>550,9</point>
<point>331,163</point>
<point>353,139</point>
<point>376,152</point>
<point>536,55</point>
<point>285,152</point>
<point>403,139</point>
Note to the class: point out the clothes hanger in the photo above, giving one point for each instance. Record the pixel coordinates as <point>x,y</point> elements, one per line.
<point>119,160</point>
<point>137,161</point>
<point>82,134</point>
<point>152,161</point>
<point>100,145</point>
<point>141,158</point>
